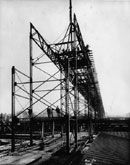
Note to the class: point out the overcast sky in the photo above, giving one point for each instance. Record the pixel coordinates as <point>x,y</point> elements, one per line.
<point>105,26</point>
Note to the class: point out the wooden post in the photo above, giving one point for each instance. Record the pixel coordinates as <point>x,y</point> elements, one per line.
<point>42,130</point>
<point>53,128</point>
<point>62,130</point>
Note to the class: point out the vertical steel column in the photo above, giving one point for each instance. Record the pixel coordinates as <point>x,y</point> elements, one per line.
<point>88,111</point>
<point>61,92</point>
<point>75,90</point>
<point>31,87</point>
<point>85,107</point>
<point>70,12</point>
<point>89,115</point>
<point>67,107</point>
<point>75,109</point>
<point>13,110</point>
<point>78,101</point>
<point>67,87</point>
<point>95,111</point>
<point>61,99</point>
<point>85,113</point>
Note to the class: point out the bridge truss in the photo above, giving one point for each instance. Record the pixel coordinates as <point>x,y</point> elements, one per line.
<point>73,79</point>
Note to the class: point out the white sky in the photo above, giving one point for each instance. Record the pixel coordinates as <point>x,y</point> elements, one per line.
<point>105,26</point>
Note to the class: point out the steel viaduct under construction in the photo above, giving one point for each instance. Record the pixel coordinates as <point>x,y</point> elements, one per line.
<point>68,97</point>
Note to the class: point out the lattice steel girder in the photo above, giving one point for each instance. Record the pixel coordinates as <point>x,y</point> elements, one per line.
<point>80,40</point>
<point>60,60</point>
<point>39,40</point>
<point>55,58</point>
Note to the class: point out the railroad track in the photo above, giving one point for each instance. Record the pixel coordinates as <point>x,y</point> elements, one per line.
<point>61,157</point>
<point>24,147</point>
<point>51,147</point>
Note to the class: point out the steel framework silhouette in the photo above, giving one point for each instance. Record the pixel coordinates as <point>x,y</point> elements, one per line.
<point>74,78</point>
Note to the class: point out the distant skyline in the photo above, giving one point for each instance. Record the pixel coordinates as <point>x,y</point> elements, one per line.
<point>105,26</point>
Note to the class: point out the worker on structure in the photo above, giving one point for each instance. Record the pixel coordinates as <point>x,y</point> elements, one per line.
<point>52,112</point>
<point>58,111</point>
<point>41,144</point>
<point>49,111</point>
